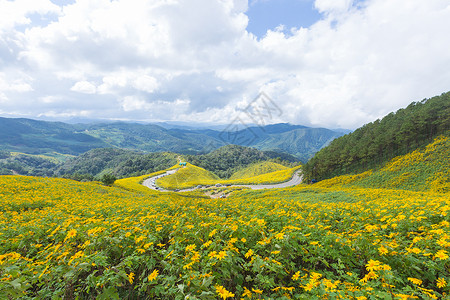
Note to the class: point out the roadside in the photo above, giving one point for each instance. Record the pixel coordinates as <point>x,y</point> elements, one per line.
<point>151,183</point>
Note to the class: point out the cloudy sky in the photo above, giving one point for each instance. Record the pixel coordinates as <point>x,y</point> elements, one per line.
<point>331,63</point>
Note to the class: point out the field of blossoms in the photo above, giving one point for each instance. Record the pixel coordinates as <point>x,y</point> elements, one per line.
<point>61,239</point>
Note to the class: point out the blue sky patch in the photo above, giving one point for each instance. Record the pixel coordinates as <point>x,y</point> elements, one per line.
<point>269,14</point>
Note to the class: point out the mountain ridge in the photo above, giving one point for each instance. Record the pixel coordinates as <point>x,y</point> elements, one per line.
<point>39,137</point>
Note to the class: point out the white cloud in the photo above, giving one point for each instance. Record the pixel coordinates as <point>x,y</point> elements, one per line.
<point>145,83</point>
<point>326,6</point>
<point>84,87</point>
<point>18,12</point>
<point>137,59</point>
<point>14,84</point>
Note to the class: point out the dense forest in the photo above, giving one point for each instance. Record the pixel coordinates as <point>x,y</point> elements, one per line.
<point>228,159</point>
<point>25,164</point>
<point>121,163</point>
<point>372,145</point>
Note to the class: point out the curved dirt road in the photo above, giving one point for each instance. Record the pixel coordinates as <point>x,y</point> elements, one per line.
<point>295,180</point>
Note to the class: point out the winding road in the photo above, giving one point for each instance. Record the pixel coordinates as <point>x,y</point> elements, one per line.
<point>295,180</point>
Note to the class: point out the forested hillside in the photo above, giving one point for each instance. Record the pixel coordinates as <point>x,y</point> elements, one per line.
<point>228,159</point>
<point>27,164</point>
<point>423,170</point>
<point>121,163</point>
<point>372,145</point>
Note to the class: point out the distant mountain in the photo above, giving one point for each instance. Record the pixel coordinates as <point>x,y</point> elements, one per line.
<point>39,137</point>
<point>36,137</point>
<point>297,140</point>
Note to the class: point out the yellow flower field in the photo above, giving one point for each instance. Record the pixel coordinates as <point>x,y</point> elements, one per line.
<point>64,238</point>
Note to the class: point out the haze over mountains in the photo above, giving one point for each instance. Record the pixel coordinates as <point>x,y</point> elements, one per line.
<point>41,137</point>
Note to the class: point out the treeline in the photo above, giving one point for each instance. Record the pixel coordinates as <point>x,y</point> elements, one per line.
<point>228,159</point>
<point>370,146</point>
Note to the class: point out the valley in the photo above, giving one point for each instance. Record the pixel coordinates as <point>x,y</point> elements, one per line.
<point>235,223</point>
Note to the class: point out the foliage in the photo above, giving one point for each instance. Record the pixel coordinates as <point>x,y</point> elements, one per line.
<point>372,145</point>
<point>108,179</point>
<point>64,239</point>
<point>27,164</point>
<point>4,154</point>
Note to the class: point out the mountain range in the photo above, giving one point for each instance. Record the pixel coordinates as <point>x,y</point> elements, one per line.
<point>43,137</point>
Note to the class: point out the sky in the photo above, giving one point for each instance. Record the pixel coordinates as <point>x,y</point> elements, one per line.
<point>320,63</point>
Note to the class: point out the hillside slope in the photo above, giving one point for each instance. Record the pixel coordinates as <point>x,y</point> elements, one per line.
<point>372,145</point>
<point>421,170</point>
<point>258,169</point>
<point>186,177</point>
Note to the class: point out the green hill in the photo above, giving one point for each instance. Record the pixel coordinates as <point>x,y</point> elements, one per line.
<point>258,169</point>
<point>121,163</point>
<point>229,159</point>
<point>421,170</point>
<point>372,145</point>
<point>188,176</point>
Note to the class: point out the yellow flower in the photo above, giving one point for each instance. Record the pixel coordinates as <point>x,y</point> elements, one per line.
<point>440,283</point>
<point>258,291</point>
<point>441,254</point>
<point>131,277</point>
<point>153,275</point>
<point>373,265</point>
<point>221,255</point>
<point>190,247</point>
<point>309,286</point>
<point>243,240</point>
<point>247,293</point>
<point>72,233</point>
<point>249,253</point>
<point>383,250</point>
<point>415,280</point>
<point>146,246</point>
<point>296,276</point>
<point>223,293</point>
<point>279,236</point>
